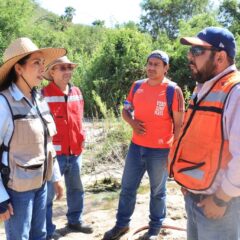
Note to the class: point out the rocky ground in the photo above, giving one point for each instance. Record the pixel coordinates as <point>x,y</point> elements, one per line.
<point>100,210</point>
<point>101,185</point>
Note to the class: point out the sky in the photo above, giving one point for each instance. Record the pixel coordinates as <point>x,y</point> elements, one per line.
<point>87,11</point>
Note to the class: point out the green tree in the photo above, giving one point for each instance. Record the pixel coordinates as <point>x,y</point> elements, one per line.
<point>69,12</point>
<point>163,16</point>
<point>99,23</point>
<point>117,63</point>
<point>13,22</point>
<point>229,15</point>
<point>59,23</point>
<point>179,70</point>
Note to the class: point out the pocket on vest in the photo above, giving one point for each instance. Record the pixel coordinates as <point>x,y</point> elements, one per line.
<point>26,179</point>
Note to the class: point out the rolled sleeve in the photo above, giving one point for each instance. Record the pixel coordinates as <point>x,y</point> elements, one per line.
<point>56,172</point>
<point>178,104</point>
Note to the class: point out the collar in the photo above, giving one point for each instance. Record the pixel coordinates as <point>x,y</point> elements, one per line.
<point>16,92</point>
<point>54,85</point>
<point>202,88</point>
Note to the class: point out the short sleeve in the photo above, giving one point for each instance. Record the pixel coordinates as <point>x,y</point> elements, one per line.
<point>130,94</point>
<point>178,100</point>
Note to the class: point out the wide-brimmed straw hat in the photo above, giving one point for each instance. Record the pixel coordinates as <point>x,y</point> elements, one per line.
<point>22,47</point>
<point>61,60</point>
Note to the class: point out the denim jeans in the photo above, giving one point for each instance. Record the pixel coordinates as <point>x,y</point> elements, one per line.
<point>201,228</point>
<point>29,219</point>
<point>139,160</point>
<point>70,167</point>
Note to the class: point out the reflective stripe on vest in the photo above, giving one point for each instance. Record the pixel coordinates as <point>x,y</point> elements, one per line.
<point>201,149</point>
<point>67,111</point>
<point>55,99</point>
<point>57,147</point>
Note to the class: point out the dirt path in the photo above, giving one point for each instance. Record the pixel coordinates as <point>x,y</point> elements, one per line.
<point>100,210</point>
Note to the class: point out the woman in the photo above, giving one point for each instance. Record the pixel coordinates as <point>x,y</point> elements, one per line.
<point>26,128</point>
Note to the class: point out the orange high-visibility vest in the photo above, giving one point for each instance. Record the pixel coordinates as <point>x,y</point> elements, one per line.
<point>201,149</point>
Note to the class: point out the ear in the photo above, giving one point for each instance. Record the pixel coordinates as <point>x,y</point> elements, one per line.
<point>166,69</point>
<point>18,69</point>
<point>51,73</point>
<point>221,57</point>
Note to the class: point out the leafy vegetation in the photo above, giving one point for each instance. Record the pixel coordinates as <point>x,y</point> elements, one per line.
<point>109,60</point>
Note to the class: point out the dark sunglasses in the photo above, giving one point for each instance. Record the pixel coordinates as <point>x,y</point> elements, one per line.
<point>65,68</point>
<point>199,50</point>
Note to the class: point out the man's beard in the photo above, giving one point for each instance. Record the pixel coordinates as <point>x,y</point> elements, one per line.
<point>206,73</point>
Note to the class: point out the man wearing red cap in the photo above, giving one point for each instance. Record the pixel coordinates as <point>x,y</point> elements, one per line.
<point>205,160</point>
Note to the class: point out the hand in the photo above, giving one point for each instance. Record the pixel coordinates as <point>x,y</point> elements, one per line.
<point>184,191</point>
<point>59,189</point>
<point>6,215</point>
<point>210,209</point>
<point>138,127</point>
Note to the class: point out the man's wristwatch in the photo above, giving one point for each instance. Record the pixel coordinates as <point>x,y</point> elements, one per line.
<point>219,202</point>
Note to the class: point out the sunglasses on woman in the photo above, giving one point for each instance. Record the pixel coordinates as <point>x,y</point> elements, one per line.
<point>199,50</point>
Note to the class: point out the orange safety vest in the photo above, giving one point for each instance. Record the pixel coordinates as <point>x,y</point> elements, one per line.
<point>201,149</point>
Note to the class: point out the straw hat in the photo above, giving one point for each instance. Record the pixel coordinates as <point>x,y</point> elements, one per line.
<point>61,60</point>
<point>22,47</point>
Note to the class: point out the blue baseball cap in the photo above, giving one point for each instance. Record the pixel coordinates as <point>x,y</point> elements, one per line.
<point>160,55</point>
<point>218,37</point>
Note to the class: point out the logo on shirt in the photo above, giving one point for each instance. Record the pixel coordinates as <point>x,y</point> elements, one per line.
<point>162,93</point>
<point>160,108</point>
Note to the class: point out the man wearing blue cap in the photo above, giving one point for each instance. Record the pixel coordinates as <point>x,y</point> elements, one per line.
<point>205,160</point>
<point>158,107</point>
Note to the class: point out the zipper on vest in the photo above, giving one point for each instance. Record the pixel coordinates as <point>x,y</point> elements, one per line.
<point>66,100</point>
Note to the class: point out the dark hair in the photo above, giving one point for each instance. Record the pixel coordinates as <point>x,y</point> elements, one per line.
<point>231,61</point>
<point>12,75</point>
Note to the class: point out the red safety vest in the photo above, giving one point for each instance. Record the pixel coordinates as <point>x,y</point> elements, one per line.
<point>201,149</point>
<point>67,111</point>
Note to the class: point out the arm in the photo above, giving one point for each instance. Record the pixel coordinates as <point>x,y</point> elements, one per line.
<point>178,111</point>
<point>6,128</point>
<point>231,178</point>
<point>137,126</point>
<point>230,185</point>
<point>82,129</point>
<point>57,180</point>
<point>177,121</point>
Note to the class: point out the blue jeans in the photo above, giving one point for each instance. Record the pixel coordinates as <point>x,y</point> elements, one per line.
<point>70,167</point>
<point>29,219</point>
<point>139,160</point>
<point>201,228</point>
